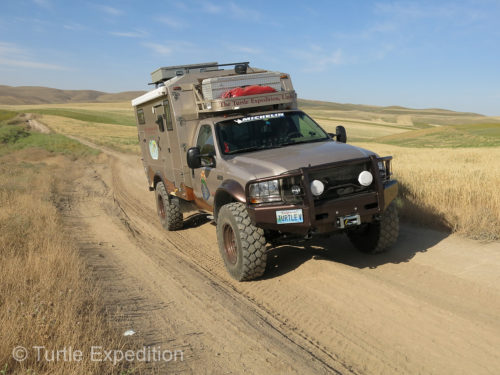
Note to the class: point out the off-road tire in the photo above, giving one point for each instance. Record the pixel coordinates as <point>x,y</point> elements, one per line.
<point>241,244</point>
<point>378,236</point>
<point>168,208</point>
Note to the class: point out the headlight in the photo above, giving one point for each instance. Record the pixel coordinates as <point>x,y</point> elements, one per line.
<point>365,178</point>
<point>291,189</point>
<point>268,191</point>
<point>317,187</point>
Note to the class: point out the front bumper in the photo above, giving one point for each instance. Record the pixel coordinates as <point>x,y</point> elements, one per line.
<point>325,216</point>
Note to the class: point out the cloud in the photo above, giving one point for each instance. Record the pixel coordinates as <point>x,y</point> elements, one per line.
<point>173,23</point>
<point>31,64</point>
<point>317,59</point>
<point>171,46</point>
<point>158,48</point>
<point>451,11</point>
<point>211,8</point>
<point>130,34</point>
<point>43,3</point>
<point>244,49</point>
<point>13,55</point>
<point>383,51</point>
<point>231,9</point>
<point>240,12</point>
<point>10,49</point>
<point>74,27</point>
<point>109,10</point>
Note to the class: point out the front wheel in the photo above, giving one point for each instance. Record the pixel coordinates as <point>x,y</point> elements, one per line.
<point>378,236</point>
<point>241,244</point>
<point>168,208</point>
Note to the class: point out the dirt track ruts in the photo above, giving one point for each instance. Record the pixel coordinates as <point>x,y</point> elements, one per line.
<point>430,305</point>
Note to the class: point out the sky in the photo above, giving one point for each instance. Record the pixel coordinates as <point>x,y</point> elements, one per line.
<point>418,54</point>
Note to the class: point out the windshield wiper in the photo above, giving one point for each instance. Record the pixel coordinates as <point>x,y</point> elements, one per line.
<point>254,148</point>
<point>308,141</point>
<point>248,149</point>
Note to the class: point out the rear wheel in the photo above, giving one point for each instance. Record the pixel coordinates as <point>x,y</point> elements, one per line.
<point>168,208</point>
<point>241,244</point>
<point>378,236</point>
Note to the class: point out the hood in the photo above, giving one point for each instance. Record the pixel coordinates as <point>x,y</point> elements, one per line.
<point>265,163</point>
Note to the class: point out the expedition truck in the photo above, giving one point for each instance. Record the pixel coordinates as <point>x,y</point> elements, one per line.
<point>232,142</point>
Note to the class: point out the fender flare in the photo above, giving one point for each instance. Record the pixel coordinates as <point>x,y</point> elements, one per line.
<point>227,192</point>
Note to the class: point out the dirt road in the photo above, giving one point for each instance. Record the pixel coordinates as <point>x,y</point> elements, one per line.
<point>36,125</point>
<point>431,305</point>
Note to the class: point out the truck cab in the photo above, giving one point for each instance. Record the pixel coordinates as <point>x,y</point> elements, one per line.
<point>233,143</point>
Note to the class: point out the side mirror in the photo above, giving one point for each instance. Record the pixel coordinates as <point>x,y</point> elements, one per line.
<point>159,121</point>
<point>194,158</point>
<point>340,134</point>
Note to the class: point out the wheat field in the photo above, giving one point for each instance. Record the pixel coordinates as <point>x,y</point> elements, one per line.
<point>118,137</point>
<point>448,187</point>
<point>47,296</point>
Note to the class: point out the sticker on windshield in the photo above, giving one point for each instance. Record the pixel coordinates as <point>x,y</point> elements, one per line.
<point>259,117</point>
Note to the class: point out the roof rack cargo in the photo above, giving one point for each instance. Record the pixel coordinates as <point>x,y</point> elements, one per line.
<point>207,89</point>
<point>168,72</point>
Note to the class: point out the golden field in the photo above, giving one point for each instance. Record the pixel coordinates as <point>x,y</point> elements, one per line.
<point>444,182</point>
<point>453,188</point>
<point>47,296</point>
<point>118,137</point>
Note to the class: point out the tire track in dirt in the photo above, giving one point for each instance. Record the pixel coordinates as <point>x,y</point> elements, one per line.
<point>172,302</point>
<point>203,256</point>
<point>428,306</point>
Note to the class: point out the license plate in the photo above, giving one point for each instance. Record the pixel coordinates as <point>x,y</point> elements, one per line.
<point>289,216</point>
<point>349,221</point>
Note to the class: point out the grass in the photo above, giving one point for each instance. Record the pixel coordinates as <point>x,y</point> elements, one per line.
<point>451,184</point>
<point>464,136</point>
<point>360,130</point>
<point>7,115</point>
<point>118,137</point>
<point>448,188</point>
<point>47,296</point>
<point>86,115</point>
<point>14,137</point>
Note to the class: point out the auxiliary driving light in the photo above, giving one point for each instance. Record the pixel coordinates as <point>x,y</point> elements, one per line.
<point>365,178</point>
<point>317,187</point>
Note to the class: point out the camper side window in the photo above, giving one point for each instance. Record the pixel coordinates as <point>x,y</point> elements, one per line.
<point>140,116</point>
<point>168,115</point>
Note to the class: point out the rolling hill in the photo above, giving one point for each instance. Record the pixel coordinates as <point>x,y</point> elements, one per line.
<point>22,95</point>
<point>395,125</point>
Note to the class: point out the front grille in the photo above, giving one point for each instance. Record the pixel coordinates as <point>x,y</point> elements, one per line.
<point>341,181</point>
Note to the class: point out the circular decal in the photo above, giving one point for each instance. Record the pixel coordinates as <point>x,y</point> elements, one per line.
<point>153,149</point>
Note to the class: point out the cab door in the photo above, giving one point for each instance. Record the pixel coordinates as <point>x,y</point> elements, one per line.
<point>205,180</point>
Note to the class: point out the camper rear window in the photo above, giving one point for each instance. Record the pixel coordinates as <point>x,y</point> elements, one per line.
<point>140,116</point>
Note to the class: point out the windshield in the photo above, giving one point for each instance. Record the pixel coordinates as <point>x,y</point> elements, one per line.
<point>267,131</point>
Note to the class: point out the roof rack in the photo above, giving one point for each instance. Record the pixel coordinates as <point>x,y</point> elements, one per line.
<point>163,74</point>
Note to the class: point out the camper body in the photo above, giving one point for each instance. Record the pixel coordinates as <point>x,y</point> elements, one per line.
<point>265,170</point>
